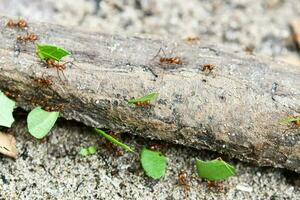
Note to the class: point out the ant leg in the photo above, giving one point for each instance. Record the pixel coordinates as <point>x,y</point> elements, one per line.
<point>157,54</point>
<point>63,75</point>
<point>57,71</point>
<point>164,52</point>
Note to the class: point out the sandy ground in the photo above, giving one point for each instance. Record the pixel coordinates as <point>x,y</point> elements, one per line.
<point>55,170</point>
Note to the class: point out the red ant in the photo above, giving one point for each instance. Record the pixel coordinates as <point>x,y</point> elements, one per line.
<point>58,107</point>
<point>31,37</point>
<point>50,63</point>
<point>182,178</point>
<point>193,39</point>
<point>46,82</point>
<point>216,186</point>
<point>18,24</point>
<point>12,95</point>
<point>208,67</point>
<point>142,104</point>
<point>170,60</point>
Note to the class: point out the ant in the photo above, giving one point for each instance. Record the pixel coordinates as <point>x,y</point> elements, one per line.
<point>46,82</point>
<point>182,178</point>
<point>193,39</point>
<point>216,186</point>
<point>50,63</point>
<point>208,67</point>
<point>142,103</point>
<point>31,37</point>
<point>12,95</point>
<point>57,107</point>
<point>169,60</point>
<point>18,24</point>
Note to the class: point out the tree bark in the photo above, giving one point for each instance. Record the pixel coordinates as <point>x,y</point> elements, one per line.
<point>234,109</point>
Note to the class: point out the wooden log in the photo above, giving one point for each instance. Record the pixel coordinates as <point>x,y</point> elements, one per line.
<point>234,109</point>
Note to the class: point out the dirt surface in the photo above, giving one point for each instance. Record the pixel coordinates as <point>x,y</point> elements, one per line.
<point>55,170</point>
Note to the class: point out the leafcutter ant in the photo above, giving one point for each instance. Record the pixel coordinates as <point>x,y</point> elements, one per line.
<point>58,107</point>
<point>213,185</point>
<point>17,24</point>
<point>50,63</point>
<point>12,95</point>
<point>143,104</point>
<point>44,81</point>
<point>193,39</point>
<point>207,68</point>
<point>182,179</point>
<point>29,37</point>
<point>168,60</point>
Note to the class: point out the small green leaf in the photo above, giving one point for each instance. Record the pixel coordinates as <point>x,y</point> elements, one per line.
<point>113,140</point>
<point>214,169</point>
<point>148,97</point>
<point>40,122</point>
<point>47,51</point>
<point>6,109</point>
<point>84,152</point>
<point>88,151</point>
<point>289,120</point>
<point>153,163</point>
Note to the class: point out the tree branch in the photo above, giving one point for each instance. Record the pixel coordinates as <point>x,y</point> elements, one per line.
<point>234,109</point>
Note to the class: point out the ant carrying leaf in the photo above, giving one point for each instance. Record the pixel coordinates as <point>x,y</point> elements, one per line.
<point>145,100</point>
<point>290,120</point>
<point>51,55</point>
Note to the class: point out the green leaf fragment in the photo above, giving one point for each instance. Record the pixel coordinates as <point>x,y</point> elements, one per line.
<point>88,151</point>
<point>148,97</point>
<point>6,109</point>
<point>84,152</point>
<point>92,149</point>
<point>46,51</point>
<point>153,163</point>
<point>40,122</point>
<point>113,140</point>
<point>214,170</point>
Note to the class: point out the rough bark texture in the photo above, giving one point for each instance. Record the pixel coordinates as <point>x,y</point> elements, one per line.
<point>235,109</point>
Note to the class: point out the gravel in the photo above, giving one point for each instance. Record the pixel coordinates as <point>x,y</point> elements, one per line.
<point>55,170</point>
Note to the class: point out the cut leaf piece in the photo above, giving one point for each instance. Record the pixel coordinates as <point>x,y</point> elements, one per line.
<point>146,98</point>
<point>153,163</point>
<point>215,169</point>
<point>6,109</point>
<point>88,151</point>
<point>40,122</point>
<point>47,51</point>
<point>113,140</point>
<point>8,145</point>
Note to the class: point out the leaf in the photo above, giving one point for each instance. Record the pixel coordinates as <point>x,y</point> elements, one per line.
<point>215,169</point>
<point>47,51</point>
<point>113,140</point>
<point>8,145</point>
<point>148,97</point>
<point>88,151</point>
<point>153,163</point>
<point>289,120</point>
<point>6,109</point>
<point>40,122</point>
